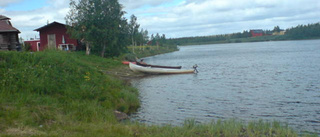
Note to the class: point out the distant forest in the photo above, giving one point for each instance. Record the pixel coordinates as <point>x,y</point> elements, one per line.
<point>310,31</point>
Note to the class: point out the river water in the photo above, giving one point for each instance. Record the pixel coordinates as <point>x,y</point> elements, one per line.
<point>247,81</point>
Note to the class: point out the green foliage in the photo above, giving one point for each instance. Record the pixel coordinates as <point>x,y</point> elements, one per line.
<point>134,29</point>
<point>138,38</point>
<point>159,40</point>
<point>129,57</point>
<point>145,51</point>
<point>26,47</point>
<point>99,23</point>
<point>219,128</point>
<point>276,29</point>
<point>304,31</point>
<point>208,39</point>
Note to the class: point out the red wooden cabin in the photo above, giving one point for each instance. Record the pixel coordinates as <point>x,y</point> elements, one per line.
<point>256,32</point>
<point>54,35</point>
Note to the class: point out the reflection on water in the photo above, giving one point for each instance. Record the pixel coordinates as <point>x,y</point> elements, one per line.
<point>248,81</point>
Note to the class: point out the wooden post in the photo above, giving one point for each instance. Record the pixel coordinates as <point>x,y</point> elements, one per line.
<point>87,48</point>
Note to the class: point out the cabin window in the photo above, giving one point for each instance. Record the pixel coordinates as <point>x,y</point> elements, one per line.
<point>66,47</point>
<point>72,47</point>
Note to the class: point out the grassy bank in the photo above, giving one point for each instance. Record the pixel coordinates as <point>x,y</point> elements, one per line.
<point>56,93</point>
<point>57,88</point>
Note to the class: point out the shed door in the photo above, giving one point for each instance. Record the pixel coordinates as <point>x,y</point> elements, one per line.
<point>52,41</point>
<point>38,46</point>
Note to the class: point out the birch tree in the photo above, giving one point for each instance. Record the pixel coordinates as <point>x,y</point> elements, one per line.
<point>99,23</point>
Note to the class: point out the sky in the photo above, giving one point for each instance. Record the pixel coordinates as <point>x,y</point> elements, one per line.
<point>176,18</point>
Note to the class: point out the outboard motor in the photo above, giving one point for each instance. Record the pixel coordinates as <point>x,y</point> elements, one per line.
<point>195,68</point>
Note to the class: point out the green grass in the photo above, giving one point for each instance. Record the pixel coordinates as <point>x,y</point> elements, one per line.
<point>52,87</point>
<point>56,93</point>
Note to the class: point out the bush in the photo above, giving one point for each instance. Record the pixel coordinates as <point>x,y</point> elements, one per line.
<point>130,57</point>
<point>26,47</point>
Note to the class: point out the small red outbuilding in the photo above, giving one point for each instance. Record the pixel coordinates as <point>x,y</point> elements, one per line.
<point>54,35</point>
<point>34,45</point>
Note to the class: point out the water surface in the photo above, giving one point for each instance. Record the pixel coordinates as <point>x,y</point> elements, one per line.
<point>247,81</point>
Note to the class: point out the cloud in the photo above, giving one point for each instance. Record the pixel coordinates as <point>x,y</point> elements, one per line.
<point>4,3</point>
<point>28,21</point>
<point>208,17</point>
<point>133,4</point>
<point>180,18</point>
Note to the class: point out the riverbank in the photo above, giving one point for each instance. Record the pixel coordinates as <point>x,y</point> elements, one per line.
<point>146,51</point>
<point>56,93</point>
<point>247,40</point>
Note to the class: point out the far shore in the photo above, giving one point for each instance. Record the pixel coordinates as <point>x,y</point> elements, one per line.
<point>246,40</point>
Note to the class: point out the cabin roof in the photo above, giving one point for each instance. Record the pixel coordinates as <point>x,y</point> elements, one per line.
<point>4,17</point>
<point>5,26</point>
<point>257,31</point>
<point>49,25</point>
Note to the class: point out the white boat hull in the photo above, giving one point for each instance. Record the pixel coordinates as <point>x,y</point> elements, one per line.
<point>150,70</point>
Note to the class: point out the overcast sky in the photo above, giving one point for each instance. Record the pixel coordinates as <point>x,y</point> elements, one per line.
<point>177,18</point>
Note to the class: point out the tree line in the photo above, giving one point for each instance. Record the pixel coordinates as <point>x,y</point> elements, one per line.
<point>304,31</point>
<point>298,32</point>
<point>208,39</point>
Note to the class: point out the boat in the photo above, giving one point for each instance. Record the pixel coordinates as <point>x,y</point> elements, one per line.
<point>157,66</point>
<point>155,70</point>
<point>149,65</point>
